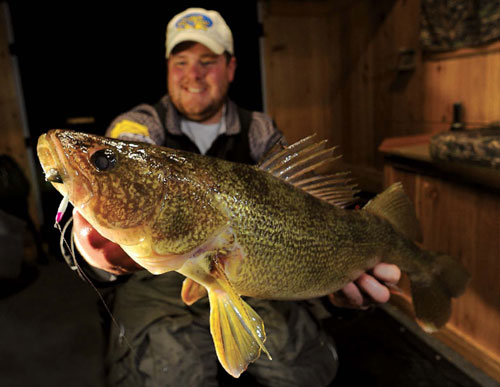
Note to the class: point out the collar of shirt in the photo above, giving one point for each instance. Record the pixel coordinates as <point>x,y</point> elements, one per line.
<point>204,135</point>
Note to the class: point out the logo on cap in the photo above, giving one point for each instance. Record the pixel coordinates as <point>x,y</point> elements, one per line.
<point>196,21</point>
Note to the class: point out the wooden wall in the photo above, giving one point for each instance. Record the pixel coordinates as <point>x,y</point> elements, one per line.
<point>334,68</point>
<point>471,76</point>
<point>470,235</point>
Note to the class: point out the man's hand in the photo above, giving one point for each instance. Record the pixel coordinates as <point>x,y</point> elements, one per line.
<point>99,251</point>
<point>370,288</point>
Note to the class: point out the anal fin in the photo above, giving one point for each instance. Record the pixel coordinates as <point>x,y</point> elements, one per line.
<point>192,291</point>
<point>237,330</point>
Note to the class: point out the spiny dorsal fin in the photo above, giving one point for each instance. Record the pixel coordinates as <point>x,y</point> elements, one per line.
<point>298,163</point>
<point>395,206</point>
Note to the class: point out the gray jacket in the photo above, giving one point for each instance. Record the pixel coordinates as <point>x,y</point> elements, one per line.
<point>143,123</point>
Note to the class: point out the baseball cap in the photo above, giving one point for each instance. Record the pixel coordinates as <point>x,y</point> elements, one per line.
<point>202,26</point>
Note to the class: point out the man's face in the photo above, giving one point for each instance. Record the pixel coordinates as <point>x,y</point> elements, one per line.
<point>198,81</point>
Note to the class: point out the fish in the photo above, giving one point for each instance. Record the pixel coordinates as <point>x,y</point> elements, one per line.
<point>283,229</point>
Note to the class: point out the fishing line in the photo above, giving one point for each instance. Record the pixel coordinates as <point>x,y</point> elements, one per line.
<point>68,253</point>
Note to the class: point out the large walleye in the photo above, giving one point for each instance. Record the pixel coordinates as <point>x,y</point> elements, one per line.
<point>273,231</point>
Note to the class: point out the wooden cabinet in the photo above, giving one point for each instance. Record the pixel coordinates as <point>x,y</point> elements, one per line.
<point>459,210</point>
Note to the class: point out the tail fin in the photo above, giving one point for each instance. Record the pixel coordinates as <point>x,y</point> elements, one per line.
<point>432,295</point>
<point>443,279</point>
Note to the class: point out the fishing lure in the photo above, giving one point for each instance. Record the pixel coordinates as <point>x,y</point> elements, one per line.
<point>61,210</point>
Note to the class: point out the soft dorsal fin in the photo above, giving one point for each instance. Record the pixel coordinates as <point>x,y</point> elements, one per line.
<point>395,206</point>
<point>298,164</point>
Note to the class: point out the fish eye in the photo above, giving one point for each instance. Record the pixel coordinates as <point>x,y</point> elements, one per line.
<point>103,160</point>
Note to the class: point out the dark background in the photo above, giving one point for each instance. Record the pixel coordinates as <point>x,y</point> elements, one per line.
<point>83,59</point>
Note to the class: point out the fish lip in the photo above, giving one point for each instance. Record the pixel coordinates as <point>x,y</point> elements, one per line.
<point>59,161</point>
<point>50,161</point>
<point>53,176</point>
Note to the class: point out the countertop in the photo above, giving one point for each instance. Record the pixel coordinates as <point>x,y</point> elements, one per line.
<point>412,153</point>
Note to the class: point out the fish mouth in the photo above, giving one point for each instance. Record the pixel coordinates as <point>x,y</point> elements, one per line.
<point>52,166</point>
<point>53,176</point>
<point>57,167</point>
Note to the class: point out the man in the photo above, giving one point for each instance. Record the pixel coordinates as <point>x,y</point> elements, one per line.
<point>172,342</point>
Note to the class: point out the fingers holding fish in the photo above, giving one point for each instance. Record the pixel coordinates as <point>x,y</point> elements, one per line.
<point>369,288</point>
<point>348,297</point>
<point>388,273</point>
<point>100,252</point>
<point>376,285</point>
<point>361,294</point>
<point>372,289</point>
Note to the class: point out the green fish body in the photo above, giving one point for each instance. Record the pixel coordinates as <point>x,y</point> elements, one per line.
<point>275,231</point>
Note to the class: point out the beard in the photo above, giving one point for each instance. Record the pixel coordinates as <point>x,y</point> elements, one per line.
<point>200,115</point>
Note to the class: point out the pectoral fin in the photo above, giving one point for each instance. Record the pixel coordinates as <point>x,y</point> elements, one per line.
<point>192,291</point>
<point>237,330</point>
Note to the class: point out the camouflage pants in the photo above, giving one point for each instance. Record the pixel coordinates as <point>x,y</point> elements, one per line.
<point>172,345</point>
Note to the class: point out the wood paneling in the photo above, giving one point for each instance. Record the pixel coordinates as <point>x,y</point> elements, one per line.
<point>332,68</point>
<point>462,221</point>
<point>469,76</point>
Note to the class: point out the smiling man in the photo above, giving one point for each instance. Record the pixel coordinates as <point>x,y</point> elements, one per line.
<point>198,81</point>
<point>172,341</point>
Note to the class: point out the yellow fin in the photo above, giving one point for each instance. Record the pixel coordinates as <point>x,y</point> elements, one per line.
<point>237,330</point>
<point>192,291</point>
<point>299,163</point>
